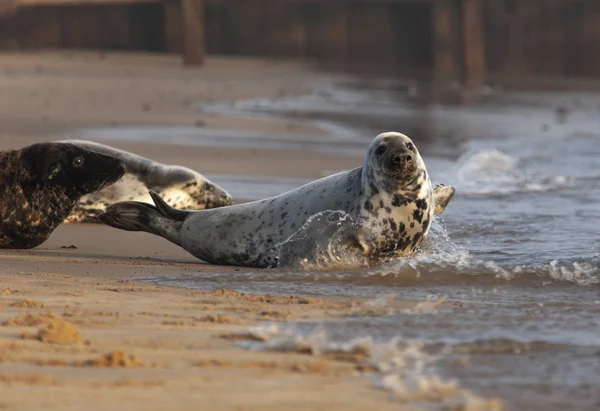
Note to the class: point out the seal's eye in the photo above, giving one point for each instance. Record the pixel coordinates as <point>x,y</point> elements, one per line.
<point>410,146</point>
<point>78,162</point>
<point>381,149</point>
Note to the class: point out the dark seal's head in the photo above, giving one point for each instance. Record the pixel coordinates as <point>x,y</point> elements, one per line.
<point>392,163</point>
<point>73,170</point>
<point>40,184</point>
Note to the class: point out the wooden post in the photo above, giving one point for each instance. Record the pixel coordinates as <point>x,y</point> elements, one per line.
<point>473,43</point>
<point>446,41</point>
<point>173,29</point>
<point>193,32</point>
<point>9,33</point>
<point>327,30</point>
<point>8,7</point>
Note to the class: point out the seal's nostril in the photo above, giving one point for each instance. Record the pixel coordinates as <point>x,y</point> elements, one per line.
<point>397,159</point>
<point>409,158</point>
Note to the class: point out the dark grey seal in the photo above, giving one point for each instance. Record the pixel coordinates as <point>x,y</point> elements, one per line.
<point>40,184</point>
<point>385,206</point>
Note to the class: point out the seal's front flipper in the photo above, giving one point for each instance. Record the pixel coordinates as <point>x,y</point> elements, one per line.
<point>358,241</point>
<point>363,244</point>
<point>442,194</point>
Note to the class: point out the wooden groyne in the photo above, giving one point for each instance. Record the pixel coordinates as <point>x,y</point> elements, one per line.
<point>453,39</point>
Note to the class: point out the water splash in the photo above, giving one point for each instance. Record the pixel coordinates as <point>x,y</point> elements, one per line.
<point>439,253</point>
<point>440,258</point>
<point>322,243</point>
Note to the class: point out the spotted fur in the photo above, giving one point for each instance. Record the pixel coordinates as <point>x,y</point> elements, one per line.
<point>389,199</point>
<point>40,184</point>
<point>180,187</point>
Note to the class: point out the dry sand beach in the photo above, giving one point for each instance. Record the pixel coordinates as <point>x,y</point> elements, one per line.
<point>77,333</point>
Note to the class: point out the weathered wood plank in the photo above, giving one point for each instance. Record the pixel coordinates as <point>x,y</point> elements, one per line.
<point>376,43</point>
<point>9,38</point>
<point>173,26</point>
<point>32,3</point>
<point>327,31</point>
<point>283,29</point>
<point>447,64</point>
<point>8,7</point>
<point>193,31</point>
<point>473,43</point>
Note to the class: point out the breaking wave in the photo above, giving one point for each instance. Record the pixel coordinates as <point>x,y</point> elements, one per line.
<point>492,172</point>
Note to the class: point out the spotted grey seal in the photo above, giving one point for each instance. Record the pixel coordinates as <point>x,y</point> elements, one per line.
<point>40,184</point>
<point>179,186</point>
<point>390,202</point>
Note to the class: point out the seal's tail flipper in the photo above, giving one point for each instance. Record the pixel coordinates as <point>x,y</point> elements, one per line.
<point>162,219</point>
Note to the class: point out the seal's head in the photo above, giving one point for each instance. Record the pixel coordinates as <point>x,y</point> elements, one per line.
<point>398,202</point>
<point>392,162</point>
<point>73,170</point>
<point>200,192</point>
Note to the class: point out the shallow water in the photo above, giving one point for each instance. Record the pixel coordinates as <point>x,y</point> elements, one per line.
<point>518,247</point>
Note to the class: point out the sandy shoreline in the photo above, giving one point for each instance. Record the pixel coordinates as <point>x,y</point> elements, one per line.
<point>141,346</point>
<point>71,318</point>
<point>181,360</point>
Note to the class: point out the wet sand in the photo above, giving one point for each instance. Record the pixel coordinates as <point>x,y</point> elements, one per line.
<point>77,333</point>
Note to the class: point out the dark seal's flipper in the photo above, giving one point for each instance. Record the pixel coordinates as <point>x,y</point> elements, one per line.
<point>442,194</point>
<point>162,219</point>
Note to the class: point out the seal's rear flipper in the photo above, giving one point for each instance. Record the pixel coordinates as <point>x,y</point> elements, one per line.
<point>167,210</point>
<point>442,194</point>
<point>138,216</point>
<point>129,215</point>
